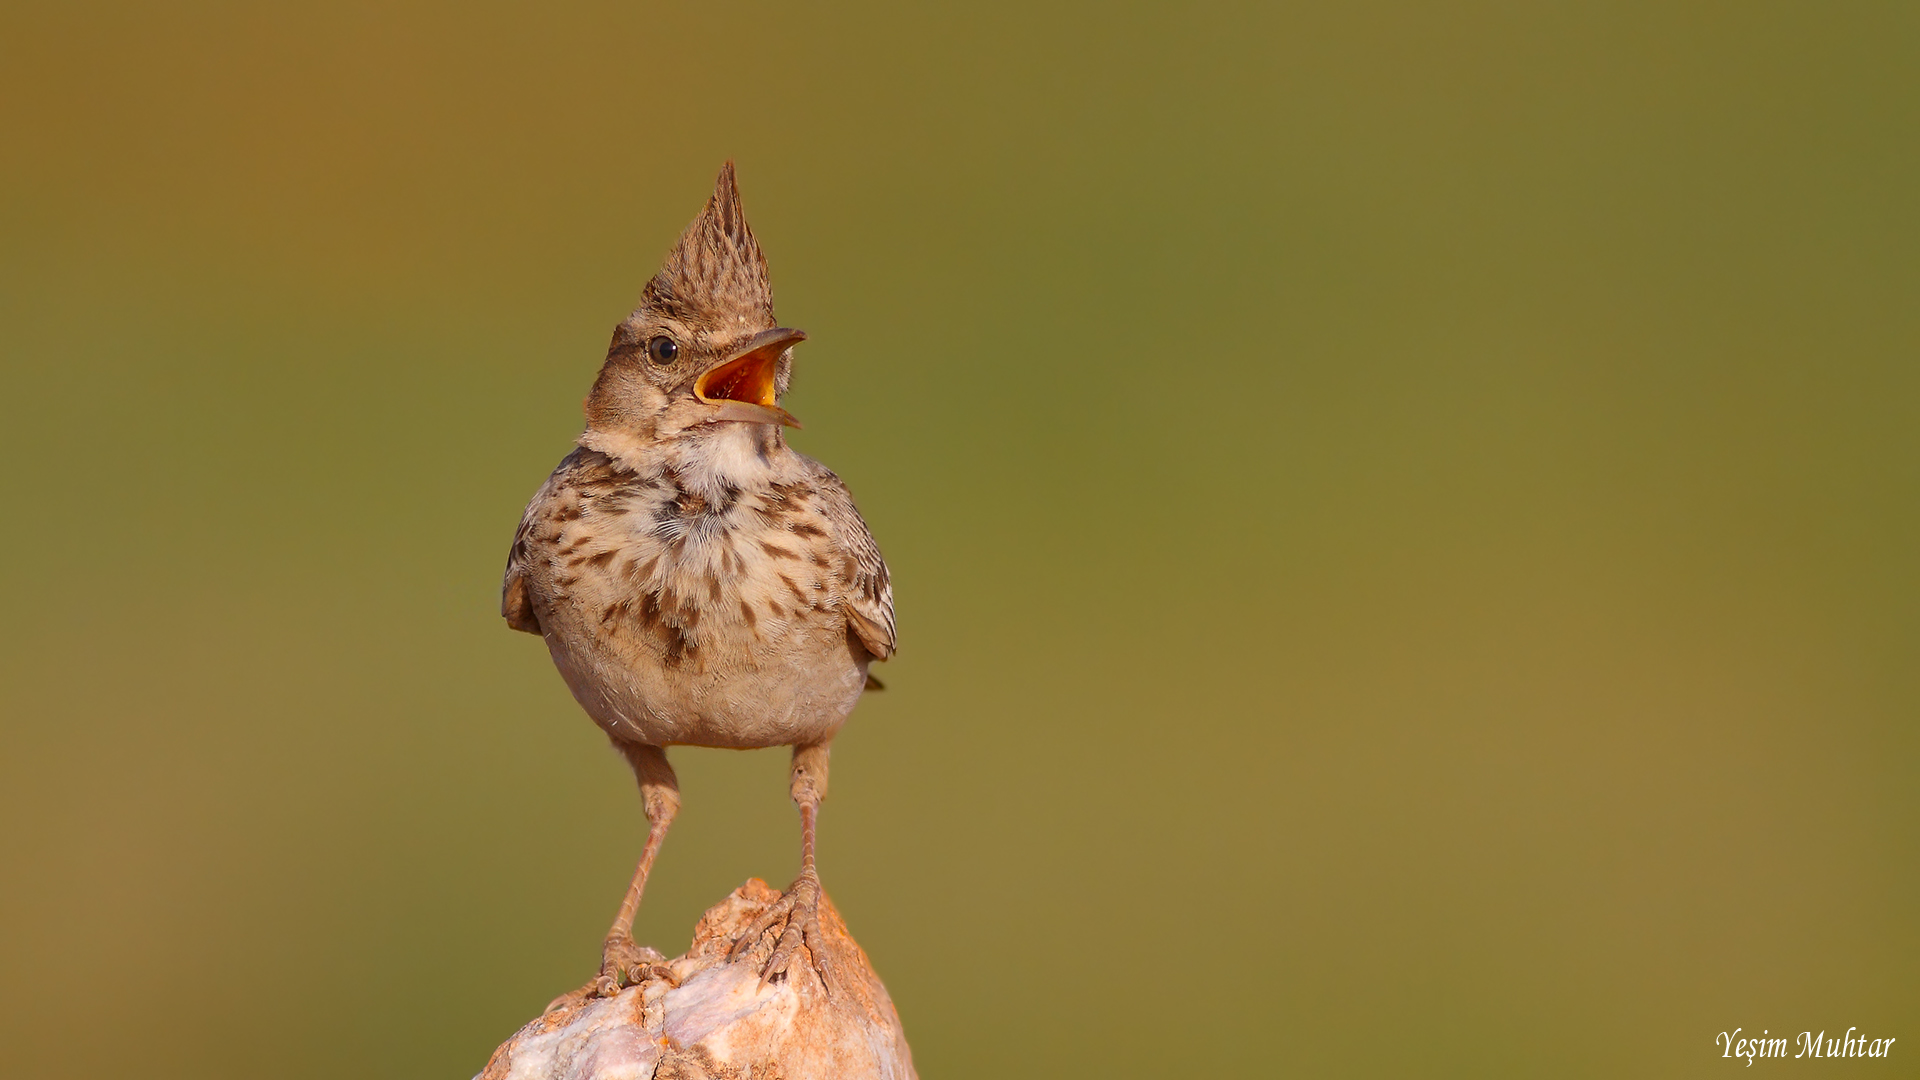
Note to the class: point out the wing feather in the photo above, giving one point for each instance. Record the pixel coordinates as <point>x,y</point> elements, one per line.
<point>865,586</point>
<point>516,604</point>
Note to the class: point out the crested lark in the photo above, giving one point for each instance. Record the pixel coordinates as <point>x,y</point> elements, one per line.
<point>698,582</point>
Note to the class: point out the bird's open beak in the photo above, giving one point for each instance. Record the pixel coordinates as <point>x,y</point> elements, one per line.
<point>742,385</point>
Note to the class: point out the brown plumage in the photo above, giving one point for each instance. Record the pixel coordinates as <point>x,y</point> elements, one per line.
<point>697,581</point>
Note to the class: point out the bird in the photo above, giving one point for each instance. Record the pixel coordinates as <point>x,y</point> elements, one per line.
<point>697,581</point>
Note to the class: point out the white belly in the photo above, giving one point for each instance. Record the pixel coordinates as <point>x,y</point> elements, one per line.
<point>780,697</point>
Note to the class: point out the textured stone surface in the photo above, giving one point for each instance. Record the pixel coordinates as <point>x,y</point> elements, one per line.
<point>701,1015</point>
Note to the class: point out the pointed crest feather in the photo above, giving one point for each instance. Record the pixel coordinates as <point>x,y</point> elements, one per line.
<point>717,266</point>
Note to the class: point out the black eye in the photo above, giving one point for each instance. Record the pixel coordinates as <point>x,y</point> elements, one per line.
<point>663,350</point>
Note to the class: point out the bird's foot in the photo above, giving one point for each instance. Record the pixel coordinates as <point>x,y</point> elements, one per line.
<point>624,963</point>
<point>793,922</point>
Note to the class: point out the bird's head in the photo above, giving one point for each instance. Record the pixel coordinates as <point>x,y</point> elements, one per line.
<point>702,349</point>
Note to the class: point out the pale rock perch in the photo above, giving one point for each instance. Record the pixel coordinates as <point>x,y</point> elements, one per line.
<point>704,1015</point>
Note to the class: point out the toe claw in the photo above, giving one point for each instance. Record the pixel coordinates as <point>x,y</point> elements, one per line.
<point>760,928</point>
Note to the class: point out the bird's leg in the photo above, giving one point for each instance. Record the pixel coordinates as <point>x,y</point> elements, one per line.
<point>622,960</point>
<point>795,917</point>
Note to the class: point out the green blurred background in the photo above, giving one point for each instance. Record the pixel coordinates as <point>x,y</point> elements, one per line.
<point>1404,523</point>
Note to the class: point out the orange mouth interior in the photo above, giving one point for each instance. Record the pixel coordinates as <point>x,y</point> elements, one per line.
<point>749,379</point>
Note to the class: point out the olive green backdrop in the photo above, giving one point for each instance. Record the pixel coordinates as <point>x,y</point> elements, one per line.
<point>1404,522</point>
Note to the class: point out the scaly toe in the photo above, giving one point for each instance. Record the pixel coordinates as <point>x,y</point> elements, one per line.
<point>794,922</point>
<point>769,920</point>
<point>623,963</point>
<point>790,940</point>
<point>817,948</point>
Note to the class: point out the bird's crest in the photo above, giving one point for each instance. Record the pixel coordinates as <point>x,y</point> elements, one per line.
<point>717,267</point>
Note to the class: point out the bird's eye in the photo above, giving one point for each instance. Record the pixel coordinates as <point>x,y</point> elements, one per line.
<point>663,350</point>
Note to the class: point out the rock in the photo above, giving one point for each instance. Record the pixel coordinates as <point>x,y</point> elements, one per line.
<point>702,1016</point>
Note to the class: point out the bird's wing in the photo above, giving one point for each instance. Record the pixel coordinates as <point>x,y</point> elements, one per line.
<point>864,583</point>
<point>516,605</point>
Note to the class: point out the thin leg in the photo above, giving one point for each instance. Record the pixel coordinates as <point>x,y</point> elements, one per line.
<point>621,958</point>
<point>795,917</point>
<point>807,783</point>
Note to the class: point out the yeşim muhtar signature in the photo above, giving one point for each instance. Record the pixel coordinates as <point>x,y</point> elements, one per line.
<point>1807,1044</point>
